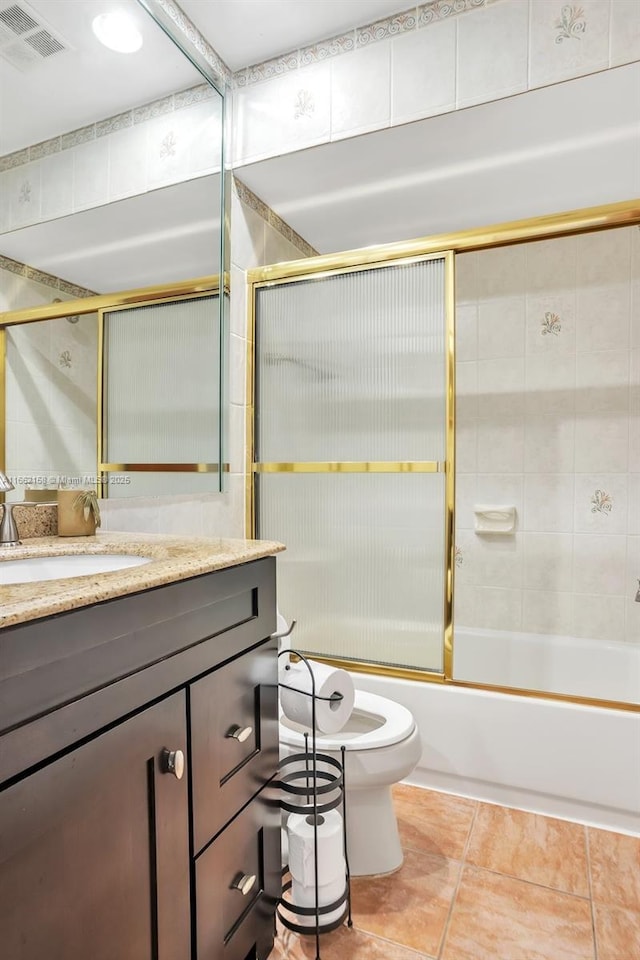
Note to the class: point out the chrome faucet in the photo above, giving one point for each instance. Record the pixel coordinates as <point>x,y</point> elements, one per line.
<point>8,529</point>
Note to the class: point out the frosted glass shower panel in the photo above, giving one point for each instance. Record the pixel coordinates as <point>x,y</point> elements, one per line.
<point>162,383</point>
<point>352,367</point>
<point>363,571</point>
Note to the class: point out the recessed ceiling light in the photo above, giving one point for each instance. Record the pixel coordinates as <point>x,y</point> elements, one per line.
<point>117,31</point>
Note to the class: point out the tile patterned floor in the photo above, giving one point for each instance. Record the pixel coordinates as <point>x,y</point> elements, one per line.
<point>483,882</point>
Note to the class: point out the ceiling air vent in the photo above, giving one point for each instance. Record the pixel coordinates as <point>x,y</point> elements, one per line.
<point>25,38</point>
<point>17,20</point>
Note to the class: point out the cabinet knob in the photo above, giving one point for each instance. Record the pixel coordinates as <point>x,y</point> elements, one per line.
<point>239,733</point>
<point>173,762</point>
<point>244,882</point>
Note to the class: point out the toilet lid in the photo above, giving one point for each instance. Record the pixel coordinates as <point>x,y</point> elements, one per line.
<point>375,722</point>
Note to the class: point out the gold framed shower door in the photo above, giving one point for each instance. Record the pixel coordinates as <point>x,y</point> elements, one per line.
<point>440,246</point>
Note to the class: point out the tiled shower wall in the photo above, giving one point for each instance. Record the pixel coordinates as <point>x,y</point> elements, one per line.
<point>548,420</point>
<point>432,59</point>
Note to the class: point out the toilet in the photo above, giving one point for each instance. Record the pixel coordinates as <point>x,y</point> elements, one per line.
<point>382,747</point>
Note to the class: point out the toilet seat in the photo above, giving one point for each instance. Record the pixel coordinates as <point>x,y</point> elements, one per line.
<point>375,722</point>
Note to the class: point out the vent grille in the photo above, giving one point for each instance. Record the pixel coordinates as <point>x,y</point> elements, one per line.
<point>25,38</point>
<point>17,20</point>
<point>44,44</point>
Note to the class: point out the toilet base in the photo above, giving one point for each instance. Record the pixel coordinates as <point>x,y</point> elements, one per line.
<point>373,841</point>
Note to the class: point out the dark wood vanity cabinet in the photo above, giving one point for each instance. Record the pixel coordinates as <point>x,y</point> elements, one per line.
<point>95,848</point>
<point>142,824</point>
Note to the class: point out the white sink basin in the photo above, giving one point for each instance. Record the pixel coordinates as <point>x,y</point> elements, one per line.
<point>33,569</point>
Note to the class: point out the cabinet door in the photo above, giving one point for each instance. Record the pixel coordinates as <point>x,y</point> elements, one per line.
<point>94,849</point>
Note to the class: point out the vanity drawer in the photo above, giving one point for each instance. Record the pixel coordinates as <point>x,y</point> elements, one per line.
<point>234,738</point>
<point>237,885</point>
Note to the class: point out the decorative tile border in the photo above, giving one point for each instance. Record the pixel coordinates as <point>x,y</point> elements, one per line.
<point>48,279</point>
<point>102,128</point>
<point>251,200</point>
<point>317,52</point>
<point>411,19</point>
<point>193,35</point>
<point>383,29</point>
<point>441,9</point>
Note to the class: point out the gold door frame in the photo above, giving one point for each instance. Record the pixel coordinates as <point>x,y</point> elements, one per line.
<point>159,293</point>
<point>440,246</point>
<point>106,467</point>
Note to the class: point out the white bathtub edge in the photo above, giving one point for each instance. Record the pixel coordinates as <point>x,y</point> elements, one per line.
<point>550,757</point>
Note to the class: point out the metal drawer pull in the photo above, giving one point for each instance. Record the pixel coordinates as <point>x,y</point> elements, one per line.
<point>173,762</point>
<point>239,733</point>
<point>244,882</point>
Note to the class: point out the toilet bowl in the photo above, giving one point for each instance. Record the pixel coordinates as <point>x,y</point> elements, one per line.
<point>382,746</point>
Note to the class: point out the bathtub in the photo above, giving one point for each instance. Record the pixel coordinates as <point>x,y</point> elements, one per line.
<point>582,668</point>
<point>560,759</point>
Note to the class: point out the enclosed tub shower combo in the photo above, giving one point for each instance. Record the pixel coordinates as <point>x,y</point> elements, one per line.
<point>446,435</point>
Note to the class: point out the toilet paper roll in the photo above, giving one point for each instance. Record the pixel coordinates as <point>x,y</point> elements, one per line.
<point>300,837</point>
<point>331,715</point>
<point>305,896</point>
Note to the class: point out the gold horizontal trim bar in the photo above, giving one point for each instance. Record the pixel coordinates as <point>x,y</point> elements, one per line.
<point>363,666</point>
<point>110,300</point>
<point>428,676</point>
<point>604,217</point>
<point>162,468</point>
<point>355,466</point>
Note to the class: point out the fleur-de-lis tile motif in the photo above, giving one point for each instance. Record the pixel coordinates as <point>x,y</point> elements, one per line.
<point>601,502</point>
<point>168,145</point>
<point>551,324</point>
<point>304,105</point>
<point>25,192</point>
<point>65,359</point>
<point>571,23</point>
<point>459,557</point>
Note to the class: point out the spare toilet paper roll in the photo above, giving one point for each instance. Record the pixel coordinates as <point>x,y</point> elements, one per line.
<point>300,835</point>
<point>331,715</point>
<point>303,896</point>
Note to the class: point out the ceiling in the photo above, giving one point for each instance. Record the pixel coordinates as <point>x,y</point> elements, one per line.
<point>86,82</point>
<point>563,147</point>
<point>244,32</point>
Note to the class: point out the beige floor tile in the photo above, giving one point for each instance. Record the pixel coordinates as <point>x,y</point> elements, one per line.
<point>341,944</point>
<point>530,847</point>
<point>615,868</point>
<point>617,932</point>
<point>433,822</point>
<point>409,907</point>
<point>499,918</point>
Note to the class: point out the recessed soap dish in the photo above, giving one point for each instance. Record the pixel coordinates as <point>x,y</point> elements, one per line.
<point>494,519</point>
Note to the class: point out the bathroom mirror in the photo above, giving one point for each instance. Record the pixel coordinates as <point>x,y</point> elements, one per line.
<point>110,181</point>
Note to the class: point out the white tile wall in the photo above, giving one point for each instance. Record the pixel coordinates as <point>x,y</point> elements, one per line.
<point>369,72</point>
<point>625,31</point>
<point>285,114</point>
<point>154,152</point>
<point>548,419</point>
<point>423,73</point>
<point>50,398</point>
<point>495,50</point>
<point>567,39</point>
<point>492,53</point>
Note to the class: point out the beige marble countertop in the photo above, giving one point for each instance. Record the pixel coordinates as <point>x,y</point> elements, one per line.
<point>173,558</point>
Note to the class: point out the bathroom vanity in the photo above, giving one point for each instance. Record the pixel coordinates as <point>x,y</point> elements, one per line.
<point>138,741</point>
